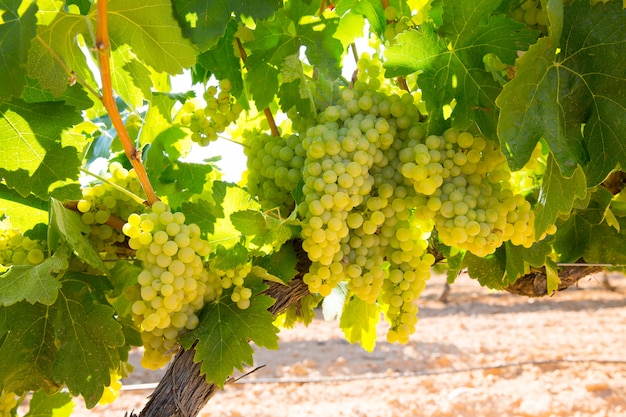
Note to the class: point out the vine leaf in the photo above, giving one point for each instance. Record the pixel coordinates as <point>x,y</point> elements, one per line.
<point>152,32</point>
<point>59,36</point>
<point>235,199</point>
<point>281,263</point>
<point>451,66</point>
<point>358,322</point>
<point>557,195</point>
<point>585,234</point>
<point>205,21</point>
<point>222,61</point>
<point>372,10</point>
<point>277,39</point>
<point>34,283</point>
<point>16,33</point>
<point>519,258</point>
<point>26,347</point>
<point>571,82</point>
<point>130,78</point>
<point>32,155</point>
<point>67,226</point>
<point>74,342</point>
<point>224,333</point>
<point>59,404</point>
<point>490,271</point>
<point>88,336</point>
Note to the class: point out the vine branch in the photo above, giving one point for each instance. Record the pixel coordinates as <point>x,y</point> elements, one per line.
<point>103,49</point>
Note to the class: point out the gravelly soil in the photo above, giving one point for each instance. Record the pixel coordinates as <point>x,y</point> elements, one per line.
<point>481,354</point>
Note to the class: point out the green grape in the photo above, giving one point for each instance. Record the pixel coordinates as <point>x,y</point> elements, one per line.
<point>17,249</point>
<point>275,166</point>
<point>102,201</point>
<point>220,111</point>
<point>220,280</point>
<point>173,282</point>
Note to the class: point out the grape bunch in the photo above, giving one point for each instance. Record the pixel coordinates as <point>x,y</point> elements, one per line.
<point>107,203</point>
<point>8,401</point>
<point>467,185</point>
<point>220,280</point>
<point>173,282</point>
<point>396,23</point>
<point>221,110</point>
<point>274,168</point>
<point>17,249</point>
<point>531,13</point>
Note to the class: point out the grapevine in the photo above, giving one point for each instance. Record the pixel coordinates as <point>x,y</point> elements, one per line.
<point>399,137</point>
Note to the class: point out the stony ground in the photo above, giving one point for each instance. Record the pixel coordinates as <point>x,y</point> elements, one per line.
<point>480,354</point>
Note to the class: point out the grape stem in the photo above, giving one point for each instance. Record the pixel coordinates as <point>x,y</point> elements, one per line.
<point>268,113</point>
<point>103,49</point>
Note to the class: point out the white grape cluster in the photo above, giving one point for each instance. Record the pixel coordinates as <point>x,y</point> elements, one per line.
<point>274,168</point>
<point>106,200</point>
<point>221,110</point>
<point>8,401</point>
<point>173,282</point>
<point>531,13</point>
<point>17,249</point>
<point>466,183</point>
<point>396,23</point>
<point>220,280</point>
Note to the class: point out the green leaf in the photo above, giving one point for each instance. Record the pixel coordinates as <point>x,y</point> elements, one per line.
<point>32,158</point>
<point>224,333</point>
<point>451,65</point>
<point>557,195</point>
<point>67,225</point>
<point>152,32</point>
<point>358,322</point>
<point>35,284</point>
<point>189,178</point>
<point>235,199</point>
<point>202,213</point>
<point>372,10</point>
<point>281,263</point>
<point>205,21</point>
<point>222,61</point>
<point>42,404</point>
<point>249,222</point>
<point>606,245</point>
<point>552,278</point>
<point>573,235</point>
<point>129,77</point>
<point>519,258</point>
<point>88,336</point>
<point>27,348</point>
<point>16,33</point>
<point>60,36</point>
<point>277,39</point>
<point>23,212</point>
<point>231,258</point>
<point>123,276</point>
<point>570,89</point>
<point>490,271</point>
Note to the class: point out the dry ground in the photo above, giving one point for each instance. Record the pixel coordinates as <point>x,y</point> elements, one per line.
<point>481,354</point>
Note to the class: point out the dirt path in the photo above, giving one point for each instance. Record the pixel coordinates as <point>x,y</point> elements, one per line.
<point>481,354</point>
